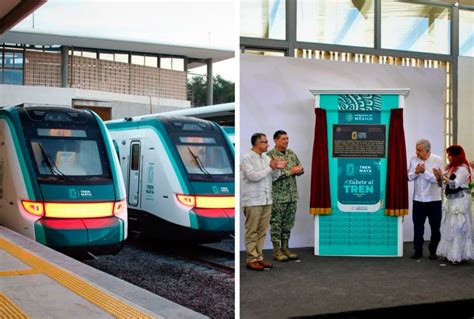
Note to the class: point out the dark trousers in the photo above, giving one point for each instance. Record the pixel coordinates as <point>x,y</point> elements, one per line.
<point>421,210</point>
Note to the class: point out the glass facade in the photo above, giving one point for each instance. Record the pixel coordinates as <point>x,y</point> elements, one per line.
<point>466,33</point>
<point>263,19</point>
<point>343,22</point>
<point>415,27</point>
<point>413,33</point>
<point>11,67</point>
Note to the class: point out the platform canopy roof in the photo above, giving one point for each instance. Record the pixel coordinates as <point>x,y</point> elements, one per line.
<point>43,39</point>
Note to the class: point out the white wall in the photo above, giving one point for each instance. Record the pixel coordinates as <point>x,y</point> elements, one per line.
<point>466,105</point>
<point>123,105</point>
<point>274,94</point>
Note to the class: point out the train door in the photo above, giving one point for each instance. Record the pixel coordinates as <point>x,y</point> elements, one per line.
<point>134,173</point>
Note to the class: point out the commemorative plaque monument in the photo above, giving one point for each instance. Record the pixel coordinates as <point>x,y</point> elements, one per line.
<point>357,141</point>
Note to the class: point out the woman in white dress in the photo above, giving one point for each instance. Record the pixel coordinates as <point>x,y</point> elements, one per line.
<point>456,227</point>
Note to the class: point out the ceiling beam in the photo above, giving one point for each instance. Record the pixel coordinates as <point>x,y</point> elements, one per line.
<point>18,13</point>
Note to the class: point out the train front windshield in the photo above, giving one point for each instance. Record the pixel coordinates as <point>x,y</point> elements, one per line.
<point>201,156</point>
<point>64,154</point>
<point>203,150</point>
<point>67,150</point>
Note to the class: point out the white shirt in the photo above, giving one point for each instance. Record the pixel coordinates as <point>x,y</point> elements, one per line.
<point>426,186</point>
<point>257,177</point>
<point>462,178</point>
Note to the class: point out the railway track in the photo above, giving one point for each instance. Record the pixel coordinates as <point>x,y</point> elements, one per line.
<point>215,258</point>
<point>192,276</point>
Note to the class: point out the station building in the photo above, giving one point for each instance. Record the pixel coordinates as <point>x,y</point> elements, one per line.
<point>112,77</point>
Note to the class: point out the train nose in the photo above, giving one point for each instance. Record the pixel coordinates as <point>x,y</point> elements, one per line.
<point>85,233</point>
<point>214,219</point>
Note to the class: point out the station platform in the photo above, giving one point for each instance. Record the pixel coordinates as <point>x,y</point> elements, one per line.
<point>338,287</point>
<point>38,282</point>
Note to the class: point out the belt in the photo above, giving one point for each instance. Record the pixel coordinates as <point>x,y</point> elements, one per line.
<point>458,194</point>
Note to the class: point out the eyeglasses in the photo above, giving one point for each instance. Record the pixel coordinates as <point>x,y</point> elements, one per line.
<point>263,142</point>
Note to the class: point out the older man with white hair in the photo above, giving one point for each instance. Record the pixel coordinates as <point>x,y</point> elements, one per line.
<point>426,197</point>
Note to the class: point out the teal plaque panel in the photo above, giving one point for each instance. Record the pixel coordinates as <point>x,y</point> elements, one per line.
<point>359,181</point>
<point>357,225</point>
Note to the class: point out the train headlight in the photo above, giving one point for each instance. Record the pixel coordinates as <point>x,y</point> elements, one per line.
<point>34,208</point>
<point>119,207</point>
<point>201,201</point>
<point>188,200</point>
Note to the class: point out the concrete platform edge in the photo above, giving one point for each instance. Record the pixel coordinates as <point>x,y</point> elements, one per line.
<point>142,298</point>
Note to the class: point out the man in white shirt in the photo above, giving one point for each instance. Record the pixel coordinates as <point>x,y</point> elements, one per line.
<point>426,197</point>
<point>258,172</point>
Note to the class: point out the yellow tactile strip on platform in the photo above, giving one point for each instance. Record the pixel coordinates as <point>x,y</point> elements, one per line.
<point>92,294</point>
<point>19,272</point>
<point>9,310</point>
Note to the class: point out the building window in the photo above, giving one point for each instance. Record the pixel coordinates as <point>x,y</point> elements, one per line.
<point>11,67</point>
<point>176,64</point>
<point>138,59</point>
<point>121,57</point>
<point>263,19</point>
<point>466,33</point>
<point>151,61</point>
<point>165,63</point>
<point>106,56</point>
<point>264,52</point>
<point>415,27</point>
<point>88,54</point>
<point>342,22</point>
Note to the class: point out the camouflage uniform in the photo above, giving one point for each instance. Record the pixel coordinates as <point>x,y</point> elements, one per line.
<point>284,196</point>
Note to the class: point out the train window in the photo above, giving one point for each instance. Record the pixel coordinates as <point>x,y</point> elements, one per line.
<point>135,157</point>
<point>61,132</point>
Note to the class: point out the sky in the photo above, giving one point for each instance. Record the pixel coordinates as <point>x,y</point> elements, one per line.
<point>199,23</point>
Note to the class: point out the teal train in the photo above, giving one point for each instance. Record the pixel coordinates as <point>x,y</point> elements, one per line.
<point>179,176</point>
<point>60,181</point>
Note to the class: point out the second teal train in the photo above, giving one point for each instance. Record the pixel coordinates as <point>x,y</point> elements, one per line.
<point>179,176</point>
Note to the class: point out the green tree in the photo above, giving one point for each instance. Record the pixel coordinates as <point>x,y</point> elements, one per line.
<point>223,90</point>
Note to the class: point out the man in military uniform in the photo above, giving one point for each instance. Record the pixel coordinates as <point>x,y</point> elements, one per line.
<point>285,196</point>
